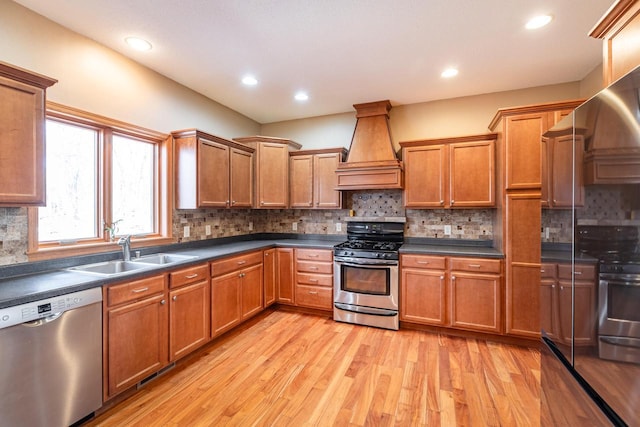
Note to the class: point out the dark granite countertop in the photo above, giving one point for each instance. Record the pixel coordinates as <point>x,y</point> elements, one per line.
<point>451,247</point>
<point>30,282</point>
<point>561,252</point>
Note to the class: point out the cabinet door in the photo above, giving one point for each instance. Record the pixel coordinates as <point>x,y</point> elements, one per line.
<point>189,318</point>
<point>423,297</point>
<point>584,306</point>
<point>562,172</point>
<point>241,179</point>
<point>225,302</point>
<point>273,175</point>
<point>285,278</point>
<point>301,181</point>
<point>472,171</point>
<point>213,174</point>
<point>549,307</point>
<point>137,343</point>
<point>269,264</point>
<point>22,136</point>
<point>475,302</point>
<point>251,291</point>
<point>522,145</point>
<point>325,181</point>
<point>545,167</point>
<point>426,176</point>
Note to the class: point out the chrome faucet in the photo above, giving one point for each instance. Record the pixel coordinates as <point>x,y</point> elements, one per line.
<point>125,242</point>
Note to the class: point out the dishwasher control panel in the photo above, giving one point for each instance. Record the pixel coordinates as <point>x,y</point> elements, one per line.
<point>35,310</point>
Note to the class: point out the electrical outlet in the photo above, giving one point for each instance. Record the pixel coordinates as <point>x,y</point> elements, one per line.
<point>186,232</point>
<point>447,230</point>
<point>338,226</point>
<point>250,226</point>
<point>207,230</point>
<point>546,232</point>
<point>294,226</point>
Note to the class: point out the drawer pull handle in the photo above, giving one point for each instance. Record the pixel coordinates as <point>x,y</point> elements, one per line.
<point>242,262</point>
<point>313,268</point>
<point>577,273</point>
<point>474,266</point>
<point>313,280</point>
<point>313,292</point>
<point>423,262</point>
<point>313,255</point>
<point>542,270</point>
<point>191,276</point>
<point>137,291</point>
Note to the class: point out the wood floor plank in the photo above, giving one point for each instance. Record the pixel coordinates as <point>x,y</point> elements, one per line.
<point>292,369</point>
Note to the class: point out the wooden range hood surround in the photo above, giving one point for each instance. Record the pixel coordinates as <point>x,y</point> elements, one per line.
<point>372,163</point>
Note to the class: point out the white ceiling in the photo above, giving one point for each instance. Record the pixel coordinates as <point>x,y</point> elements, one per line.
<point>342,52</point>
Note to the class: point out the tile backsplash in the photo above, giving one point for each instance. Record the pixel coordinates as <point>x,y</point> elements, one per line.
<point>13,235</point>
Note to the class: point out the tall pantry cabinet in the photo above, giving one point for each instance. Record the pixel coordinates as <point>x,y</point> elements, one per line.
<point>519,162</point>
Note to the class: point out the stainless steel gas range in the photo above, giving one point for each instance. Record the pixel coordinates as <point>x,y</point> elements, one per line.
<point>366,274</point>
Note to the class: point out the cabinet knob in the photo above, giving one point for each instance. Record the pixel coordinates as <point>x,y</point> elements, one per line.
<point>441,277</point>
<point>262,202</point>
<point>227,202</point>
<point>453,278</point>
<point>452,201</point>
<point>233,202</point>
<point>442,202</point>
<point>163,302</point>
<point>266,254</point>
<point>175,298</point>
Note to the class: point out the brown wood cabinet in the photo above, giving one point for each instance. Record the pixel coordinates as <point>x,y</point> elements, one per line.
<point>423,290</point>
<point>285,276</point>
<point>22,136</point>
<point>236,290</point>
<point>314,278</point>
<point>520,164</point>
<point>135,332</point>
<point>271,170</point>
<point>618,29</point>
<point>450,173</point>
<point>189,310</point>
<point>549,311</point>
<point>212,172</point>
<point>269,270</point>
<point>462,293</point>
<point>313,179</point>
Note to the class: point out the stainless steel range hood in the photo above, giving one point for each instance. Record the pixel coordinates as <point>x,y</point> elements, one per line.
<point>372,163</point>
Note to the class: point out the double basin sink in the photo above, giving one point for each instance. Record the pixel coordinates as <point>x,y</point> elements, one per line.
<point>118,267</point>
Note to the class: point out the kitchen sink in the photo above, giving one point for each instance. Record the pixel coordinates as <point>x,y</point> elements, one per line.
<point>161,259</point>
<point>110,268</point>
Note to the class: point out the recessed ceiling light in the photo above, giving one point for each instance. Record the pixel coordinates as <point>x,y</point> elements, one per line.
<point>301,96</point>
<point>138,43</point>
<point>538,22</point>
<point>449,72</point>
<point>249,80</point>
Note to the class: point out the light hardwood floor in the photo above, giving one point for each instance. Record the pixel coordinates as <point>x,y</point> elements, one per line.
<point>292,369</point>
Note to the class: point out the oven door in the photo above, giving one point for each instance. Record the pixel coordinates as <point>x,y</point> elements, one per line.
<point>619,317</point>
<point>368,283</point>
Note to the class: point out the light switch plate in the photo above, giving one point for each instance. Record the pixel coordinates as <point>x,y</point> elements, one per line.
<point>187,231</point>
<point>250,226</point>
<point>447,230</point>
<point>294,226</point>
<point>338,226</point>
<point>207,230</point>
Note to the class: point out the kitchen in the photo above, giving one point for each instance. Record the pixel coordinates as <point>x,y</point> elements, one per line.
<point>468,116</point>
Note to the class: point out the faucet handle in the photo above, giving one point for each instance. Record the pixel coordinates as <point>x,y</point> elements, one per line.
<point>124,240</point>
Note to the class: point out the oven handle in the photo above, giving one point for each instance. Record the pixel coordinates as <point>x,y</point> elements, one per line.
<point>621,282</point>
<point>622,341</point>
<point>378,264</point>
<point>365,310</point>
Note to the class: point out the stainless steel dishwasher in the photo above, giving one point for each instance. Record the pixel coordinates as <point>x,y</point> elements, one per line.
<point>51,360</point>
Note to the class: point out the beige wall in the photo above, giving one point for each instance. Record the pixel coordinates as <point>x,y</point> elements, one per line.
<point>436,119</point>
<point>592,83</point>
<point>99,80</point>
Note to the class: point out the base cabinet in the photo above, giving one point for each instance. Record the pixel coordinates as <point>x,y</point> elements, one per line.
<point>314,278</point>
<point>135,332</point>
<point>269,271</point>
<point>285,279</point>
<point>462,293</point>
<point>236,290</point>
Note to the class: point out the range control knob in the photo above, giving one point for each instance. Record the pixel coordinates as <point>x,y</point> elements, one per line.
<point>377,254</point>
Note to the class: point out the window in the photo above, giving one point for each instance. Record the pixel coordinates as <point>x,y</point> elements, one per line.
<point>100,175</point>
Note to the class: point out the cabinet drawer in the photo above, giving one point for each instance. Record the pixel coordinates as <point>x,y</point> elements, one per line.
<point>582,271</point>
<point>476,265</point>
<point>314,255</point>
<point>117,294</point>
<point>422,261</point>
<point>548,271</point>
<point>227,265</point>
<point>314,267</point>
<point>188,275</point>
<point>314,296</point>
<point>315,279</point>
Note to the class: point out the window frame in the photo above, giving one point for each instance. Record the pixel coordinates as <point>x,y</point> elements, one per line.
<point>163,193</point>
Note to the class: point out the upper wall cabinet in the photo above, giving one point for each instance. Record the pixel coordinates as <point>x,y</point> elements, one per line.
<point>618,30</point>
<point>271,170</point>
<point>212,172</point>
<point>313,179</point>
<point>450,173</point>
<point>22,136</point>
